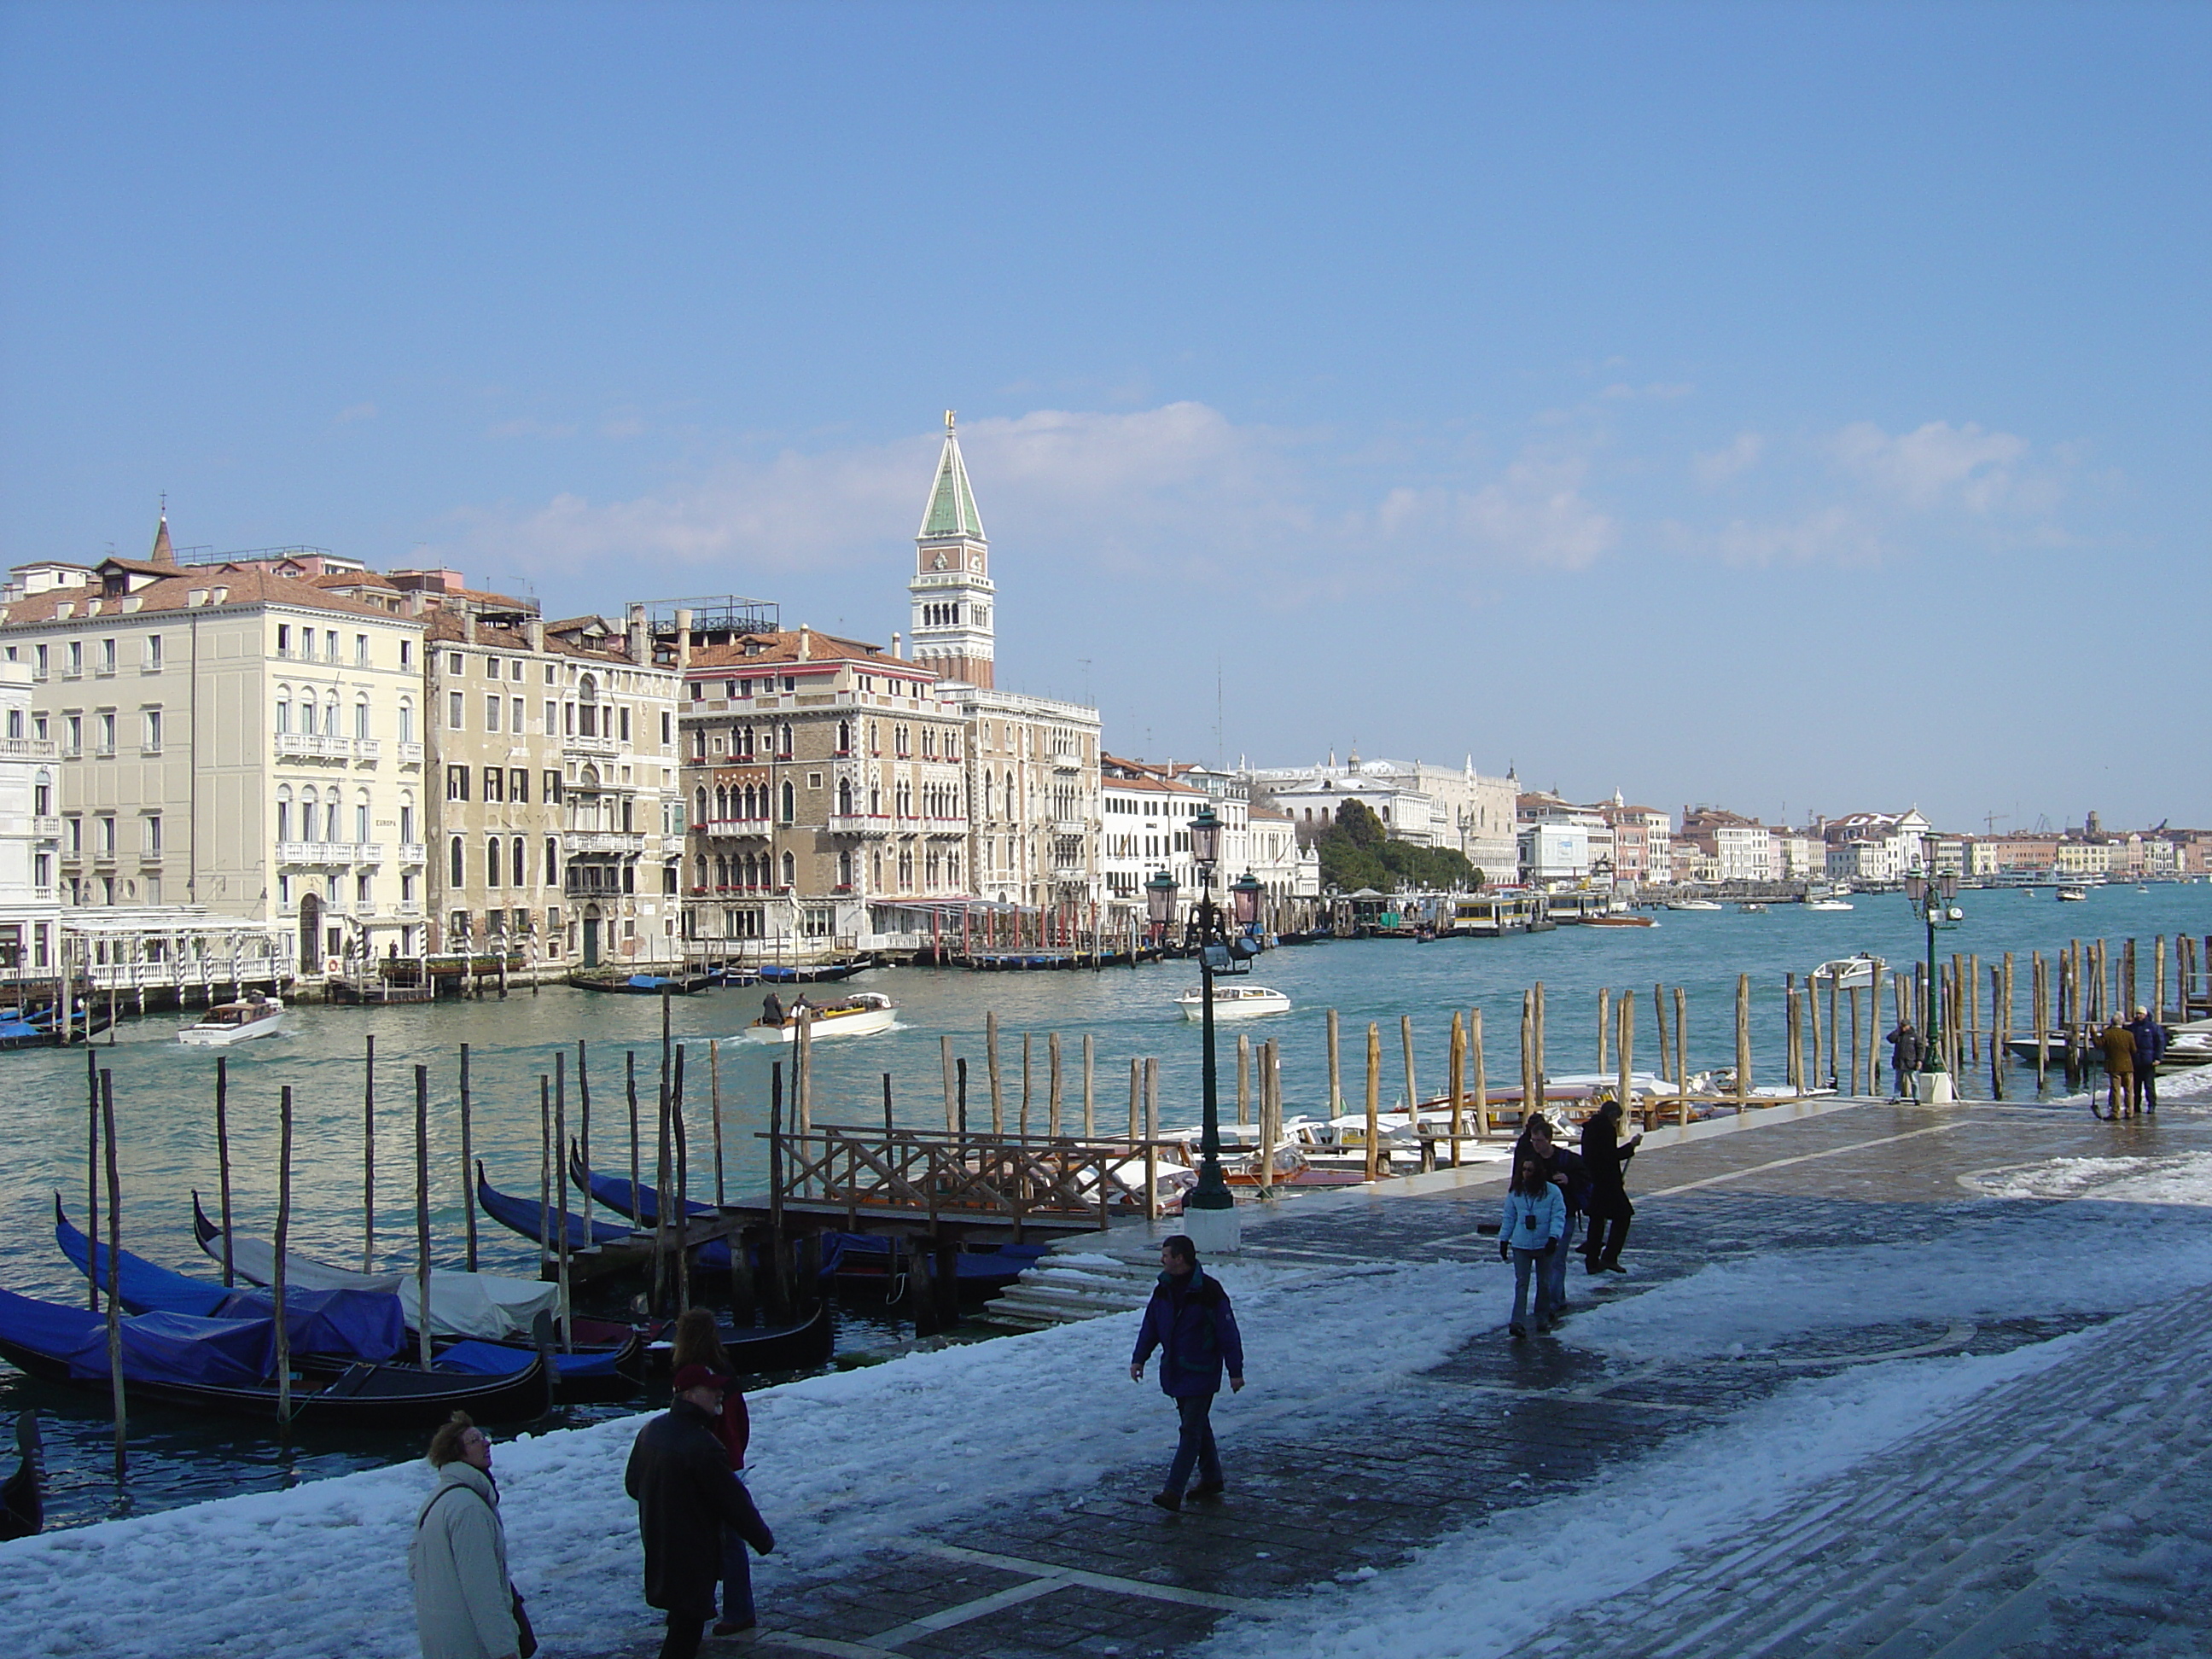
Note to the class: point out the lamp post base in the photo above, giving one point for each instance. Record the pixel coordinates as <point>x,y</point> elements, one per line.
<point>1215,1232</point>
<point>1932,1088</point>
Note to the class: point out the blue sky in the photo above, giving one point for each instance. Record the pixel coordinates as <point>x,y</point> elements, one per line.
<point>1796,407</point>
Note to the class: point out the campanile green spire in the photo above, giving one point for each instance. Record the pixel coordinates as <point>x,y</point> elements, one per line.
<point>951,510</point>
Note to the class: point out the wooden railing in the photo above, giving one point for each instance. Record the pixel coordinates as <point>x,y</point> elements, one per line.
<point>1004,1178</point>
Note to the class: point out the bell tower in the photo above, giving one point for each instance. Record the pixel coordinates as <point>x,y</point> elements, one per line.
<point>952,586</point>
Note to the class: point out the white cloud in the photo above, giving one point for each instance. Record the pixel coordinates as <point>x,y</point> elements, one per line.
<point>1832,535</point>
<point>1936,465</point>
<point>1180,490</point>
<point>1721,465</point>
<point>353,412</point>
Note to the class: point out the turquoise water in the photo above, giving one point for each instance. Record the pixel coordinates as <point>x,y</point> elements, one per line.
<point>164,1092</point>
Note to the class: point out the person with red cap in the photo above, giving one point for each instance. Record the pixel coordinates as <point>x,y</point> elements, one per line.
<point>679,1474</point>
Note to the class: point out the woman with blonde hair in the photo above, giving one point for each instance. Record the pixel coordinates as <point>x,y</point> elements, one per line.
<point>466,1607</point>
<point>697,1342</point>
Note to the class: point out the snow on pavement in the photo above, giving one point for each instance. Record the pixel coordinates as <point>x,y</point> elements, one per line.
<point>841,1463</point>
<point>1489,1589</point>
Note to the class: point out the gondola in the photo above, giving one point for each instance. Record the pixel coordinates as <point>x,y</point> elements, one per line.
<point>646,985</point>
<point>337,1324</point>
<point>614,1192</point>
<point>533,1222</point>
<point>589,1376</point>
<point>820,973</point>
<point>223,1365</point>
<point>496,1306</point>
<point>865,1258</point>
<point>22,1495</point>
<point>765,1347</point>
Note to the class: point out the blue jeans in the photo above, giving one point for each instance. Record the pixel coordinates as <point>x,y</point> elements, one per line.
<point>1195,1444</point>
<point>736,1579</point>
<point>1523,1262</point>
<point>1555,1270</point>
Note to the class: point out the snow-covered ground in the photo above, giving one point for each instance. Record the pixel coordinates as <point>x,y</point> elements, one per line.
<point>840,1463</point>
<point>1488,1589</point>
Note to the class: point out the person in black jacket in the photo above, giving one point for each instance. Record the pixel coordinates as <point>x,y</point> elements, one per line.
<point>1906,1052</point>
<point>1605,1157</point>
<point>2151,1039</point>
<point>679,1473</point>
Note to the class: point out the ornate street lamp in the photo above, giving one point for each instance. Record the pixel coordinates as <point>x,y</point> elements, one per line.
<point>1210,1210</point>
<point>1159,904</point>
<point>1244,900</point>
<point>1932,896</point>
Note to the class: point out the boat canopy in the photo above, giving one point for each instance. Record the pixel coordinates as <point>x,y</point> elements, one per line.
<point>157,1346</point>
<point>344,1323</point>
<point>490,1305</point>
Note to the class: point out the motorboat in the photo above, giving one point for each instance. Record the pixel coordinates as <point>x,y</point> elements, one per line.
<point>1753,908</point>
<point>1700,904</point>
<point>1234,1002</point>
<point>861,1014</point>
<point>1828,905</point>
<point>1623,919</point>
<point>2073,896</point>
<point>1849,973</point>
<point>255,1015</point>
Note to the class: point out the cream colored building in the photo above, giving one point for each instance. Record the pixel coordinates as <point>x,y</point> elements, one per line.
<point>229,737</point>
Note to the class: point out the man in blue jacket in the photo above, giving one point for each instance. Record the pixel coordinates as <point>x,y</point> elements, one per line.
<point>1190,1322</point>
<point>2150,1048</point>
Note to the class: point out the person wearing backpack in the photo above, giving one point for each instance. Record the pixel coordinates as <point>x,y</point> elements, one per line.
<point>1189,1321</point>
<point>1532,1231</point>
<point>465,1605</point>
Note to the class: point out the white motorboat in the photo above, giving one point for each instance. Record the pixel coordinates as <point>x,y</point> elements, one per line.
<point>2073,896</point>
<point>1827,904</point>
<point>861,1014</point>
<point>227,1023</point>
<point>1698,904</point>
<point>1849,973</point>
<point>1234,1002</point>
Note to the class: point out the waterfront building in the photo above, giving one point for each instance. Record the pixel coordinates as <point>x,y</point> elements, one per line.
<point>551,815</point>
<point>1875,847</point>
<point>28,833</point>
<point>1798,854</point>
<point>1739,848</point>
<point>1259,839</point>
<point>228,736</point>
<point>1147,811</point>
<point>1640,838</point>
<point>827,781</point>
<point>1425,806</point>
<point>1582,857</point>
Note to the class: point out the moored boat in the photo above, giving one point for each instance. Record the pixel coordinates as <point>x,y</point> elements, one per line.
<point>22,1495</point>
<point>1692,904</point>
<point>1849,973</point>
<point>1828,905</point>
<point>252,1016</point>
<point>2073,896</point>
<point>1234,1002</point>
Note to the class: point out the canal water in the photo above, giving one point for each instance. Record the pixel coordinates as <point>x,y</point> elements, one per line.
<point>164,1100</point>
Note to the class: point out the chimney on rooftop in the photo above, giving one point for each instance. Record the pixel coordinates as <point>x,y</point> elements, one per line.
<point>894,646</point>
<point>635,613</point>
<point>682,639</point>
<point>468,624</point>
<point>534,631</point>
<point>802,642</point>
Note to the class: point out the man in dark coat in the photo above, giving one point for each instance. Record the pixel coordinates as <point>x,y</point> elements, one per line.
<point>679,1473</point>
<point>1605,1159</point>
<point>2118,1044</point>
<point>1905,1053</point>
<point>1190,1322</point>
<point>2150,1048</point>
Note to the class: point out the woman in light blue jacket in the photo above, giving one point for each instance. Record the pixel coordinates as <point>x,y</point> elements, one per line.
<point>1535,1217</point>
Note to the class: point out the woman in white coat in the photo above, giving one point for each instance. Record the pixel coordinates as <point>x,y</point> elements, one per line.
<point>464,1606</point>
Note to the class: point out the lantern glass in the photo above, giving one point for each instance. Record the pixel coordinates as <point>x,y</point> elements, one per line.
<point>1206,836</point>
<point>1245,892</point>
<point>1916,888</point>
<point>1160,896</point>
<point>1950,886</point>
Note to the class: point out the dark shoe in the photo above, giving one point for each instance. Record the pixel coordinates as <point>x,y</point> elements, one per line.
<point>1171,1501</point>
<point>1596,1267</point>
<point>1207,1489</point>
<point>725,1628</point>
<point>1614,1267</point>
<point>1520,1334</point>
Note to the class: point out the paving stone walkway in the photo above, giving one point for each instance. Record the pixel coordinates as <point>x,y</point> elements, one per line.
<point>1498,1424</point>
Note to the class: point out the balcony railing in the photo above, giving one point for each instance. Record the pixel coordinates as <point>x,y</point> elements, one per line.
<point>413,852</point>
<point>577,746</point>
<point>734,826</point>
<point>28,748</point>
<point>367,749</point>
<point>600,841</point>
<point>859,823</point>
<point>47,828</point>
<point>301,746</point>
<point>942,827</point>
<point>329,851</point>
<point>410,754</point>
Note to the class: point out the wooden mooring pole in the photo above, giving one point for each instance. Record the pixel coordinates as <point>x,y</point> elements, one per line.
<point>114,1268</point>
<point>222,1160</point>
<point>423,1320</point>
<point>283,1236</point>
<point>1374,1090</point>
<point>368,1156</point>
